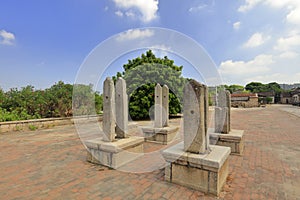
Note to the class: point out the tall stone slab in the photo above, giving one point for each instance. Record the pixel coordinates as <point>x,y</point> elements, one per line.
<point>109,110</point>
<point>222,112</point>
<point>158,122</point>
<point>195,117</point>
<point>121,108</point>
<point>165,106</point>
<point>192,163</point>
<point>228,100</point>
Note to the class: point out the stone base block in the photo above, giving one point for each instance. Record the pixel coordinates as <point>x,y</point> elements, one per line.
<point>234,139</point>
<point>159,135</point>
<point>114,154</point>
<point>206,173</point>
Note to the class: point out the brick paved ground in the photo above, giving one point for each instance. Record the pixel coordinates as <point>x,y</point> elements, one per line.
<point>50,164</point>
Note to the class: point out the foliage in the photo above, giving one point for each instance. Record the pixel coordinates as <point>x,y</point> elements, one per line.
<point>269,100</point>
<point>259,87</point>
<point>142,74</point>
<point>32,127</point>
<point>56,101</point>
<point>234,88</point>
<point>85,101</point>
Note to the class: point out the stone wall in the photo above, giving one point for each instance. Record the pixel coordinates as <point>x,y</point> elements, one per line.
<point>252,102</point>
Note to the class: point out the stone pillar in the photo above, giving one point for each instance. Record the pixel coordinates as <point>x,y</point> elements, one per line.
<point>165,106</point>
<point>228,100</point>
<point>158,107</point>
<point>222,112</point>
<point>195,115</point>
<point>219,119</point>
<point>121,108</point>
<point>109,110</point>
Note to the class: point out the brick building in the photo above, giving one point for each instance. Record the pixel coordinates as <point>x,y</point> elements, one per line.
<point>245,100</point>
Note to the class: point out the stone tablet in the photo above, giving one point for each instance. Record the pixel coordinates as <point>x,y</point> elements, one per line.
<point>121,108</point>
<point>109,110</point>
<point>228,100</point>
<point>158,107</point>
<point>222,112</point>
<point>195,106</point>
<point>165,106</point>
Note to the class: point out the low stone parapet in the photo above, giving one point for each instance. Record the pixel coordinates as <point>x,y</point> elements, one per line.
<point>34,124</point>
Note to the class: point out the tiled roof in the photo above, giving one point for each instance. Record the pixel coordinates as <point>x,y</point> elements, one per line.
<point>244,95</point>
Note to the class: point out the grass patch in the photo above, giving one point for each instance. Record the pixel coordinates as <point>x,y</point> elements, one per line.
<point>32,127</point>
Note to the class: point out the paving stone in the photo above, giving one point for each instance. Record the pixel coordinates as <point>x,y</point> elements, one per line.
<point>51,164</point>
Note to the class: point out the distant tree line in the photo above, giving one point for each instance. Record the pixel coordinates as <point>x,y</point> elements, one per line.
<point>56,101</point>
<point>255,87</point>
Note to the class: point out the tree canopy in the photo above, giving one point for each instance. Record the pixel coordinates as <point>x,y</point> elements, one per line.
<point>234,88</point>
<point>142,74</point>
<point>260,87</point>
<point>56,101</point>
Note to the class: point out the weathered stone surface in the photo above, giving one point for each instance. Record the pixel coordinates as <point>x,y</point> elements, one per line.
<point>121,109</point>
<point>190,177</point>
<point>234,139</point>
<point>158,123</point>
<point>195,106</point>
<point>114,154</point>
<point>160,135</point>
<point>204,172</point>
<point>215,159</point>
<point>109,110</point>
<point>222,112</point>
<point>228,99</point>
<point>165,106</point>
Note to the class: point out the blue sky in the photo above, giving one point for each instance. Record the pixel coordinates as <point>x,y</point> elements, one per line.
<point>42,42</point>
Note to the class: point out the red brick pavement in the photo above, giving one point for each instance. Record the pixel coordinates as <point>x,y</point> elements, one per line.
<point>50,164</point>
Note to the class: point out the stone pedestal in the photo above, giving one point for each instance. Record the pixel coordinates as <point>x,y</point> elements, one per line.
<point>114,154</point>
<point>115,148</point>
<point>194,163</point>
<point>203,172</point>
<point>234,139</point>
<point>159,135</point>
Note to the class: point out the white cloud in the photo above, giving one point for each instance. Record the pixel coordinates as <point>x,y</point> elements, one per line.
<point>6,38</point>
<point>289,55</point>
<point>197,8</point>
<point>161,47</point>
<point>119,13</point>
<point>249,4</point>
<point>200,7</point>
<point>135,34</point>
<point>147,8</point>
<point>130,14</point>
<point>257,39</point>
<point>275,77</point>
<point>259,64</point>
<point>294,16</point>
<point>293,6</point>
<point>237,25</point>
<point>287,43</point>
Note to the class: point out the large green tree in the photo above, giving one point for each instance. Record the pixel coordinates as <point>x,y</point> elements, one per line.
<point>260,87</point>
<point>142,74</point>
<point>234,88</point>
